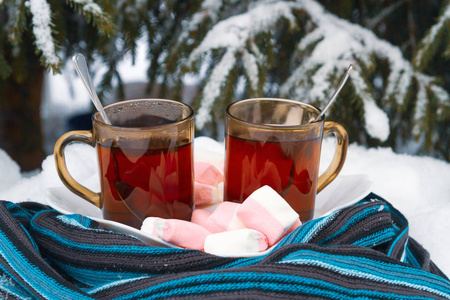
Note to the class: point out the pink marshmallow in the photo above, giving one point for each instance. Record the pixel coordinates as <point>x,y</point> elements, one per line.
<point>200,217</point>
<point>207,194</point>
<point>297,224</point>
<point>236,242</point>
<point>178,232</point>
<point>267,212</point>
<point>224,218</point>
<point>208,174</point>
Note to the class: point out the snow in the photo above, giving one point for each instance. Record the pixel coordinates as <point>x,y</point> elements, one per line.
<point>336,43</point>
<point>235,31</point>
<point>417,186</point>
<point>376,121</point>
<point>213,88</point>
<point>251,67</point>
<point>432,35</point>
<point>89,6</point>
<point>42,31</point>
<point>67,93</point>
<point>209,9</point>
<point>233,34</point>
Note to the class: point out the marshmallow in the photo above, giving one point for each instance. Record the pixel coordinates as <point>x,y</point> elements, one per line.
<point>208,174</point>
<point>297,224</point>
<point>236,242</point>
<point>224,218</point>
<point>207,194</point>
<point>178,232</point>
<point>267,212</point>
<point>200,216</point>
<point>208,184</point>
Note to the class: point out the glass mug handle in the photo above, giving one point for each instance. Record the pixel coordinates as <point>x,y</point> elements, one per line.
<point>339,155</point>
<point>83,136</point>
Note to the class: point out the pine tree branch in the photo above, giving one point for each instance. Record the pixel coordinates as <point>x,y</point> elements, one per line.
<point>17,21</point>
<point>233,35</point>
<point>95,14</point>
<point>386,12</point>
<point>42,31</point>
<point>212,89</point>
<point>429,44</point>
<point>411,27</point>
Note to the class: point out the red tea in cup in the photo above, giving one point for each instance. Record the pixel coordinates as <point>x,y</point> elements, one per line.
<point>145,160</point>
<point>290,168</point>
<point>277,142</point>
<point>136,185</point>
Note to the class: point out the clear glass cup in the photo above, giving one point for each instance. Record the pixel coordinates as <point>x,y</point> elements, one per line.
<point>276,142</point>
<point>145,160</point>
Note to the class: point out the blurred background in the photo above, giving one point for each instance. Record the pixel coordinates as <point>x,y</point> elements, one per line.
<point>210,53</point>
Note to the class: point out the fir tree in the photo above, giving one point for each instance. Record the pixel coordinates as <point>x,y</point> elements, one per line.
<point>433,51</point>
<point>35,36</point>
<point>242,48</point>
<point>299,50</point>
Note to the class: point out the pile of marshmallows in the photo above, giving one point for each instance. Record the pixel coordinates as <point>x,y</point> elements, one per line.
<point>227,228</point>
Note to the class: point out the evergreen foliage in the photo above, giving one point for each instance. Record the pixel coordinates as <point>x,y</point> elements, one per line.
<point>38,36</point>
<point>50,24</point>
<point>302,51</point>
<point>397,95</point>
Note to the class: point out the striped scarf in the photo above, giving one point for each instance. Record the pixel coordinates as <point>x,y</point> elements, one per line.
<point>362,251</point>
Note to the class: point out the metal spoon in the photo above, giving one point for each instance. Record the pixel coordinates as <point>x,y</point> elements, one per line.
<point>81,66</point>
<point>333,98</point>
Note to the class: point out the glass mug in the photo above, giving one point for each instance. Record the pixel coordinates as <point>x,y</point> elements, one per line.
<point>145,160</point>
<point>276,142</point>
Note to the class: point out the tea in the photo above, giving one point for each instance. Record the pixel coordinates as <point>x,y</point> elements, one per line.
<point>137,183</point>
<point>290,168</point>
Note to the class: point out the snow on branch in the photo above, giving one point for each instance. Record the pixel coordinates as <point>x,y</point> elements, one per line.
<point>88,6</point>
<point>235,31</point>
<point>376,121</point>
<point>251,66</point>
<point>233,34</point>
<point>41,23</point>
<point>94,12</point>
<point>373,22</point>
<point>209,9</point>
<point>429,44</point>
<point>335,44</point>
<point>212,89</point>
<point>421,104</point>
<point>325,51</point>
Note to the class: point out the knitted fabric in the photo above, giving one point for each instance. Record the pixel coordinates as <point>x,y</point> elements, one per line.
<point>362,251</point>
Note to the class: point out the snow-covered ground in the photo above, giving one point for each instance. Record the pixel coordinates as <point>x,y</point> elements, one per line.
<point>417,186</point>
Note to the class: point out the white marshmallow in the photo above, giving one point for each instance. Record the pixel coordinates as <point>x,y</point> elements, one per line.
<point>235,242</point>
<point>267,212</point>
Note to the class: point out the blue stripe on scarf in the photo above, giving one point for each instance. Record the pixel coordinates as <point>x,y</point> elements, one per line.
<point>307,231</point>
<point>274,272</point>
<point>235,281</point>
<point>397,239</point>
<point>376,239</point>
<point>366,268</point>
<point>409,258</point>
<point>92,277</point>
<point>78,221</point>
<point>117,249</point>
<point>353,220</point>
<point>32,274</point>
<point>9,285</point>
